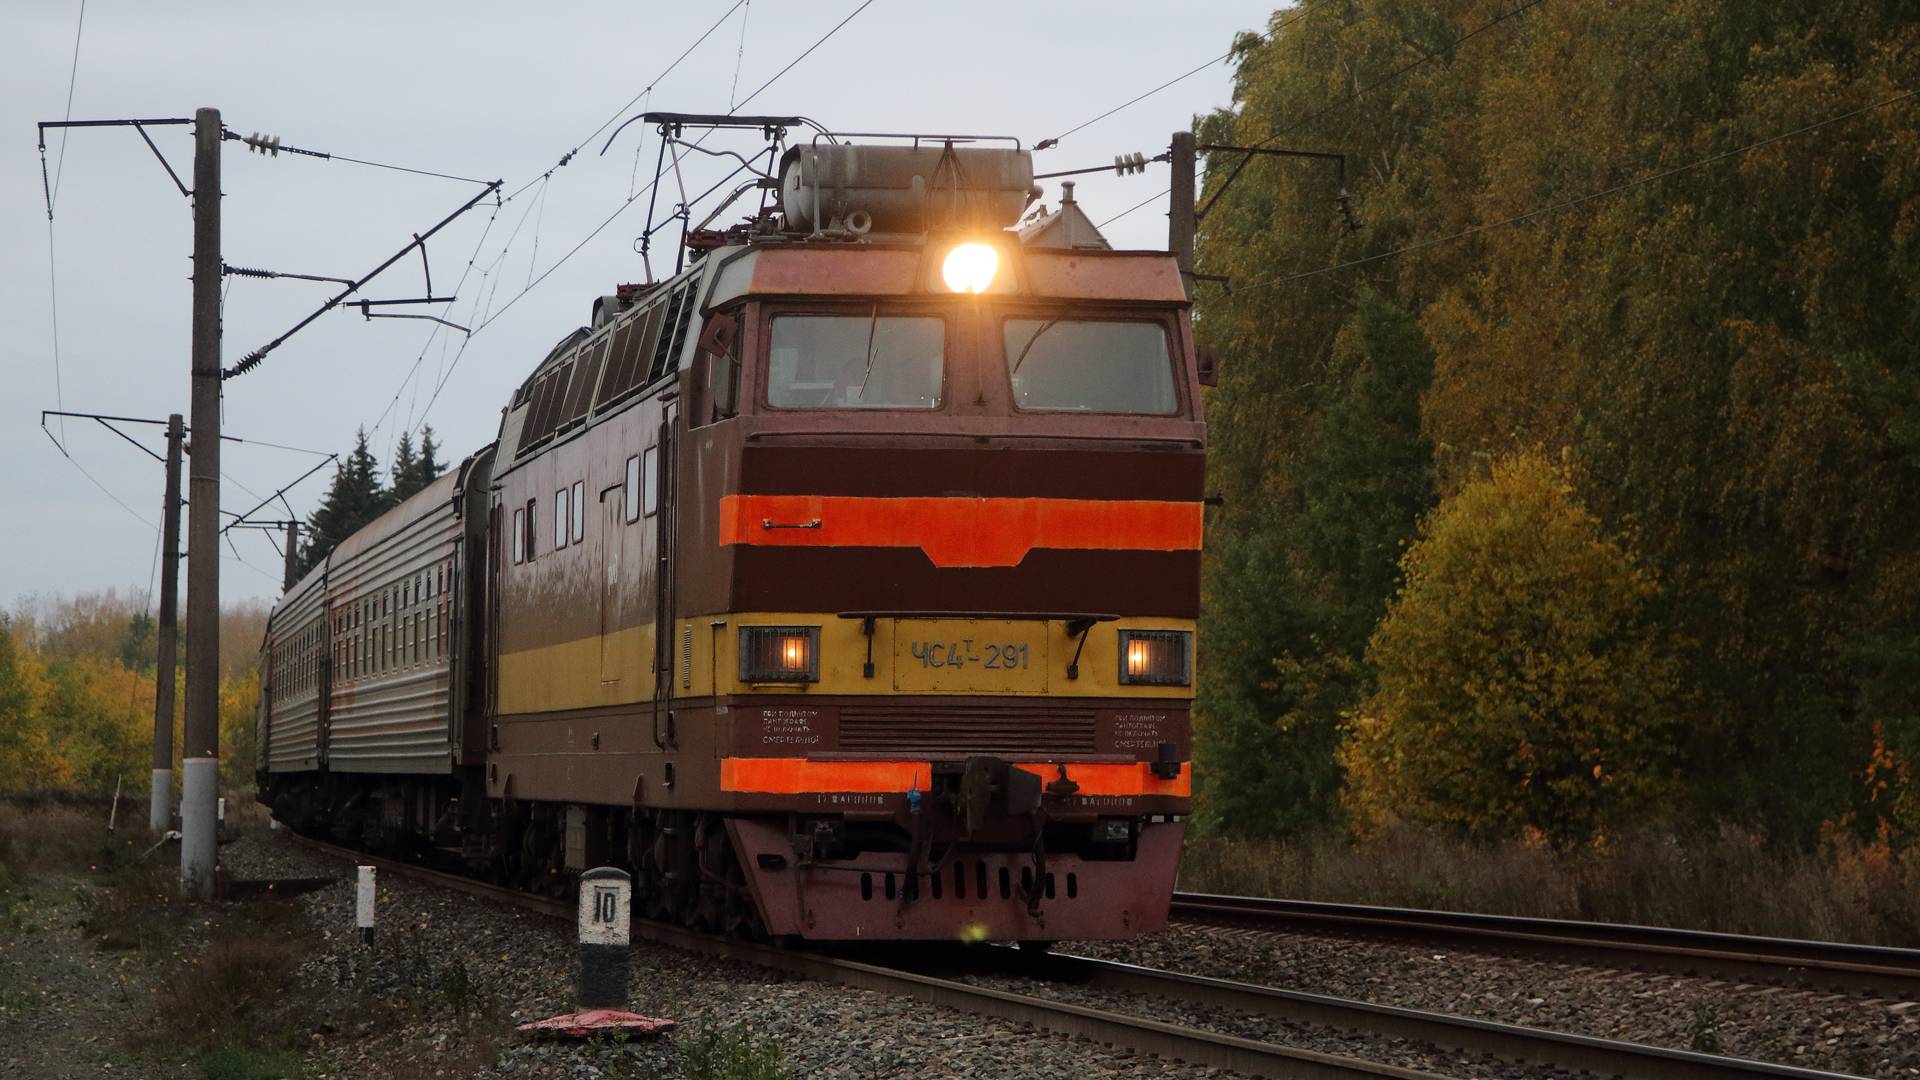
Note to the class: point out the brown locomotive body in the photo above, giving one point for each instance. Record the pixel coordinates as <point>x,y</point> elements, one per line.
<point>834,602</point>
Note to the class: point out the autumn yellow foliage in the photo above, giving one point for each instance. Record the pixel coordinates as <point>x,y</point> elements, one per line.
<point>1523,688</point>
<point>77,697</point>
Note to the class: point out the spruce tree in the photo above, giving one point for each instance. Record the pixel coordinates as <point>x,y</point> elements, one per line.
<point>429,466</point>
<point>404,467</point>
<point>412,471</point>
<point>355,499</point>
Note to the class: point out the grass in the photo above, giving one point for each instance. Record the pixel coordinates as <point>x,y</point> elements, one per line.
<point>730,1053</point>
<point>236,1062</point>
<point>1726,880</point>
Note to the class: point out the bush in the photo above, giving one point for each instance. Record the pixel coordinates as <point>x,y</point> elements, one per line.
<point>1523,685</point>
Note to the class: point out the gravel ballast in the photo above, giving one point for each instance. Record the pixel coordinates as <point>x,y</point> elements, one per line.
<point>520,964</point>
<point>1864,1036</point>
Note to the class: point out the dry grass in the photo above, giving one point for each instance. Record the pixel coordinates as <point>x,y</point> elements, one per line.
<point>1725,880</point>
<point>52,837</point>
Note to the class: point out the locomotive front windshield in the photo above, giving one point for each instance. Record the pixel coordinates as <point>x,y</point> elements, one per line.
<point>856,362</point>
<point>1081,365</point>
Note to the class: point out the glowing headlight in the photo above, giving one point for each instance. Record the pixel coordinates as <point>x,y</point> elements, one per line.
<point>969,268</point>
<point>782,654</point>
<point>1156,657</point>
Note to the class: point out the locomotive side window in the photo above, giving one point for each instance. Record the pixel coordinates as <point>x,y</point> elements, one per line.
<point>1078,365</point>
<point>533,529</point>
<point>856,362</point>
<point>560,519</point>
<point>579,510</point>
<point>519,535</point>
<point>650,478</point>
<point>632,491</point>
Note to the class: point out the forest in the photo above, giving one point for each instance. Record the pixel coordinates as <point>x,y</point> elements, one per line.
<point>77,673</point>
<point>1574,492</point>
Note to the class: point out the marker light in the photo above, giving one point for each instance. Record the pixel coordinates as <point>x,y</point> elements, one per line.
<point>1156,657</point>
<point>779,654</point>
<point>969,268</point>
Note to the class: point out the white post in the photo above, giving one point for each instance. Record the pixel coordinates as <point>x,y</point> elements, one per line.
<point>606,916</point>
<point>363,905</point>
<point>160,801</point>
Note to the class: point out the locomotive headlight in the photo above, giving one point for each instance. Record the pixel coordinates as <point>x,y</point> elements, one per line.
<point>779,654</point>
<point>969,268</point>
<point>1156,657</point>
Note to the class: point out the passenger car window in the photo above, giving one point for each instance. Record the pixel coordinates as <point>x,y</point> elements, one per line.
<point>1080,365</point>
<point>856,362</point>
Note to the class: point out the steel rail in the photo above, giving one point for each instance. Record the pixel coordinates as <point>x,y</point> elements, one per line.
<point>1870,969</point>
<point>1138,1034</point>
<point>1514,1043</point>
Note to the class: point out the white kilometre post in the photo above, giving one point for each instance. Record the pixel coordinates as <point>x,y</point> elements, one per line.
<point>606,913</point>
<point>363,905</point>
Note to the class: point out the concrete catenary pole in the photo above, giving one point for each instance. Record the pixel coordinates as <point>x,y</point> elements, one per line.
<point>160,799</point>
<point>287,577</point>
<point>200,756</point>
<point>1181,224</point>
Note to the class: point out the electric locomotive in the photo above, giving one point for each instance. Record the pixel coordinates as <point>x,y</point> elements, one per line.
<point>841,585</point>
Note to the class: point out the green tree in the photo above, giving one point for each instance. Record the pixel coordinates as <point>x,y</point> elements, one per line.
<point>1351,499</point>
<point>404,466</point>
<point>413,472</point>
<point>1523,682</point>
<point>355,499</point>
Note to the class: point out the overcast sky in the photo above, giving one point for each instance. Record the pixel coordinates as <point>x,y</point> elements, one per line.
<point>486,90</point>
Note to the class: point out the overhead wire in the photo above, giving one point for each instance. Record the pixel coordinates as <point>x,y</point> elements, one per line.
<point>739,57</point>
<point>1356,95</point>
<point>75,462</point>
<point>628,202</point>
<point>53,193</point>
<point>542,179</point>
<point>73,78</point>
<point>1263,36</point>
<point>1567,204</point>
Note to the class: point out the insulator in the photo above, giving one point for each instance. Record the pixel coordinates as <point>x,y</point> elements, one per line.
<point>1126,164</point>
<point>265,144</point>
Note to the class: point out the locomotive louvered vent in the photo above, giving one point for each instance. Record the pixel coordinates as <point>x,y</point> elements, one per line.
<point>984,727</point>
<point>640,350</point>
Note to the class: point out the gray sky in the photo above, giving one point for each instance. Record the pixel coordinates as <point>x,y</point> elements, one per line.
<point>488,90</point>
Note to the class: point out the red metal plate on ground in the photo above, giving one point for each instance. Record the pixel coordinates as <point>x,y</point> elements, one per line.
<point>583,1025</point>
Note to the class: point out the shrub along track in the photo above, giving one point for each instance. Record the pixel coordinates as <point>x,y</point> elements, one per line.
<point>1855,969</point>
<point>1197,1046</point>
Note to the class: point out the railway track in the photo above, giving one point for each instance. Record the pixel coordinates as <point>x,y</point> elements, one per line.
<point>1857,969</point>
<point>1197,1046</point>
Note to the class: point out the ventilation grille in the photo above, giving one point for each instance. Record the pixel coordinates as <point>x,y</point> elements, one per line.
<point>973,728</point>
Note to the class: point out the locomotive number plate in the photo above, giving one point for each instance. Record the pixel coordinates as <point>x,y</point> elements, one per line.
<point>982,656</point>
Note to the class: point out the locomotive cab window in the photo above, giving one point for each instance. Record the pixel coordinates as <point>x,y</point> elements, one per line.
<point>866,361</point>
<point>1087,365</point>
